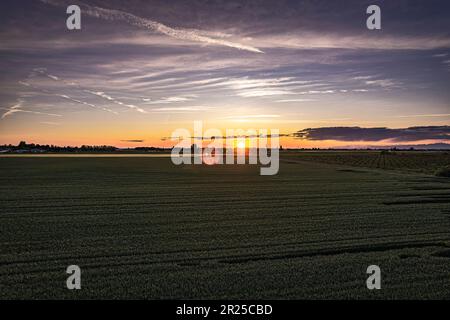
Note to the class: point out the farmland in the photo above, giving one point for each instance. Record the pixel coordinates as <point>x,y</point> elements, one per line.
<point>140,227</point>
<point>409,161</point>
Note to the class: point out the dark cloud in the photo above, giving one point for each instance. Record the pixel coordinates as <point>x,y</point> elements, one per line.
<point>133,140</point>
<point>375,134</point>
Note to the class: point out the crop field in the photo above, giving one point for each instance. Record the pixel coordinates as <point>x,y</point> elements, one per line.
<point>414,161</point>
<point>140,227</point>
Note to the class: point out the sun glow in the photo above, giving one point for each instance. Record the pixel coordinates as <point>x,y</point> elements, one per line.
<point>241,145</point>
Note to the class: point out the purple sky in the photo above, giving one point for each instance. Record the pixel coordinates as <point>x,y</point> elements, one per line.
<point>137,70</point>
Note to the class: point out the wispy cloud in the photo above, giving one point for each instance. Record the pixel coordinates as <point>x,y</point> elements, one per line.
<point>295,100</point>
<point>100,94</point>
<point>182,34</point>
<point>65,96</point>
<point>363,77</point>
<point>50,123</point>
<point>168,100</point>
<point>318,92</point>
<point>440,55</point>
<point>385,83</point>
<point>253,116</point>
<point>375,134</point>
<point>43,71</point>
<point>182,109</point>
<point>260,87</point>
<point>18,108</point>
<point>314,40</point>
<point>52,77</point>
<point>263,93</point>
<point>425,115</point>
<point>113,100</point>
<point>259,118</point>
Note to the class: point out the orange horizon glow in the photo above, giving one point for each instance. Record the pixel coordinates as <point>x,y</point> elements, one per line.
<point>285,142</point>
<point>128,134</point>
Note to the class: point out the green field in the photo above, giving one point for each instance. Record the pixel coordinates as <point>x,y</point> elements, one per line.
<point>427,162</point>
<point>143,228</point>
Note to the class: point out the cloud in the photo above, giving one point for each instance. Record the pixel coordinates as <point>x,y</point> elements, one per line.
<point>260,87</point>
<point>18,108</point>
<point>438,115</point>
<point>384,83</point>
<point>440,55</point>
<point>296,100</point>
<point>96,93</point>
<point>363,77</point>
<point>375,134</point>
<point>254,116</point>
<point>13,109</point>
<point>182,34</point>
<point>52,77</point>
<point>101,94</point>
<point>314,40</point>
<point>50,123</point>
<point>133,140</point>
<point>168,100</point>
<point>182,109</point>
<point>263,93</point>
<point>113,100</point>
<point>64,96</point>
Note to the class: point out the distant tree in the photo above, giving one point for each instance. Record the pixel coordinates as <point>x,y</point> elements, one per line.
<point>22,144</point>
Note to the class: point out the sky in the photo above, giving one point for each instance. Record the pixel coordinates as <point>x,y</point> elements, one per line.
<point>138,70</point>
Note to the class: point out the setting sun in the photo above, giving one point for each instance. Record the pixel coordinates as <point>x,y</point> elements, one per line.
<point>241,145</point>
